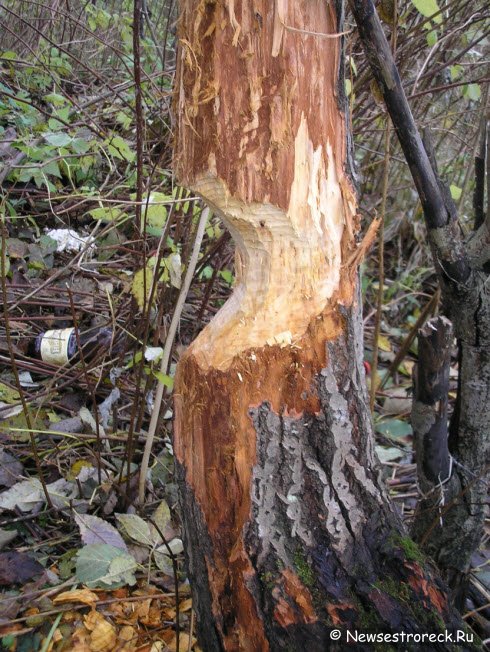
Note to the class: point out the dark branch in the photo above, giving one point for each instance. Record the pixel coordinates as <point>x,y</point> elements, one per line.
<point>479,193</point>
<point>429,411</point>
<point>439,212</point>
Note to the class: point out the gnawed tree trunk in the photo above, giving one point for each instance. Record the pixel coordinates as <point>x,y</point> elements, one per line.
<point>288,531</point>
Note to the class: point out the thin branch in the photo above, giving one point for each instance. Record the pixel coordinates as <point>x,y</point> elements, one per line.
<point>168,349</point>
<point>439,212</point>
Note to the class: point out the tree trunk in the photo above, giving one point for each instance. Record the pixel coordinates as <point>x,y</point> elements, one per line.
<point>288,530</point>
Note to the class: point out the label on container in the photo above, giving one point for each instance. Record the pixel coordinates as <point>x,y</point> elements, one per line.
<point>54,346</point>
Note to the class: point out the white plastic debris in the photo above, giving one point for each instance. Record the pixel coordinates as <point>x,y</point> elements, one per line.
<point>69,240</point>
<point>153,353</point>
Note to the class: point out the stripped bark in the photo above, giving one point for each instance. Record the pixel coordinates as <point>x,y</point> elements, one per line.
<point>463,273</point>
<point>287,526</point>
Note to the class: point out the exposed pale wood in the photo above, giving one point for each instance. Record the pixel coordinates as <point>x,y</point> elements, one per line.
<point>285,198</point>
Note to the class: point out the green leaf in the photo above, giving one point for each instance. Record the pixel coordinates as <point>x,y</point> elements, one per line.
<point>136,528</point>
<point>455,192</point>
<point>431,38</point>
<point>227,276</point>
<point>8,394</point>
<point>161,516</point>
<point>162,558</point>
<point>163,561</point>
<point>167,381</point>
<point>107,214</point>
<point>472,92</point>
<point>97,566</point>
<point>428,8</point>
<point>353,65</point>
<point>124,119</point>
<point>53,168</point>
<point>55,124</point>
<point>67,563</point>
<point>154,212</point>
<point>25,495</point>
<point>394,428</point>
<point>80,145</point>
<point>54,98</point>
<point>348,87</point>
<point>121,569</point>
<point>120,148</point>
<point>455,71</point>
<point>138,356</point>
<point>48,245</point>
<point>390,454</point>
<point>58,139</point>
<point>26,174</point>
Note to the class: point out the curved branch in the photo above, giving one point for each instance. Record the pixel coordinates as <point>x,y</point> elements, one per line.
<point>440,214</point>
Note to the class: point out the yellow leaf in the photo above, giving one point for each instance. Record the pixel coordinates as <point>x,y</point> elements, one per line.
<point>57,636</point>
<point>103,635</point>
<point>80,595</point>
<point>76,468</point>
<point>406,367</point>
<point>183,643</point>
<point>157,646</point>
<point>141,286</point>
<point>127,633</point>
<point>384,343</point>
<point>80,640</point>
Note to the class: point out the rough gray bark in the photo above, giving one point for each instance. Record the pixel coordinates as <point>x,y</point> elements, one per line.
<point>323,547</point>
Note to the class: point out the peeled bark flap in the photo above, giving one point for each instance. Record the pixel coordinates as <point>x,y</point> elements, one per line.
<point>240,106</point>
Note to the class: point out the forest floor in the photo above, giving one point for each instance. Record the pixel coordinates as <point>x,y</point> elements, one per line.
<point>82,565</point>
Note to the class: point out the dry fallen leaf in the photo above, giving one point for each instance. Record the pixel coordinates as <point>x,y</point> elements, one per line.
<point>103,635</point>
<point>127,633</point>
<point>80,641</point>
<point>157,646</point>
<point>128,639</point>
<point>80,595</point>
<point>142,609</point>
<point>153,618</point>
<point>57,636</point>
<point>183,643</point>
<point>185,605</point>
<point>18,568</point>
<point>70,616</point>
